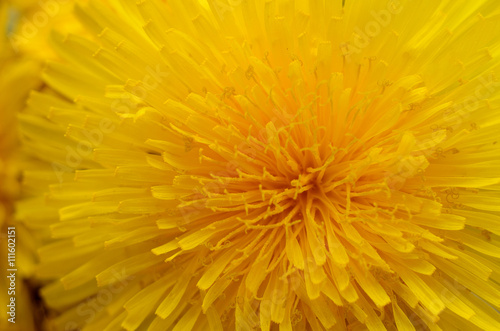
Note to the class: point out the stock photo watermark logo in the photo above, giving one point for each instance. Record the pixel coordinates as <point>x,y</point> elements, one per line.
<point>223,7</point>
<point>30,26</point>
<point>95,137</point>
<point>102,299</point>
<point>362,37</point>
<point>454,117</point>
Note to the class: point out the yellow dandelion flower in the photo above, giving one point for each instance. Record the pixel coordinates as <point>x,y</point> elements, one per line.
<point>270,165</point>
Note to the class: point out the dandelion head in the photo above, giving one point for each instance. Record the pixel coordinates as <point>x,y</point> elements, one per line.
<point>291,165</point>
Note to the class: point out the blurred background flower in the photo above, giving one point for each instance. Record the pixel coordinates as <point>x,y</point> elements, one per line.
<point>291,165</point>
<point>19,74</point>
<point>32,22</point>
